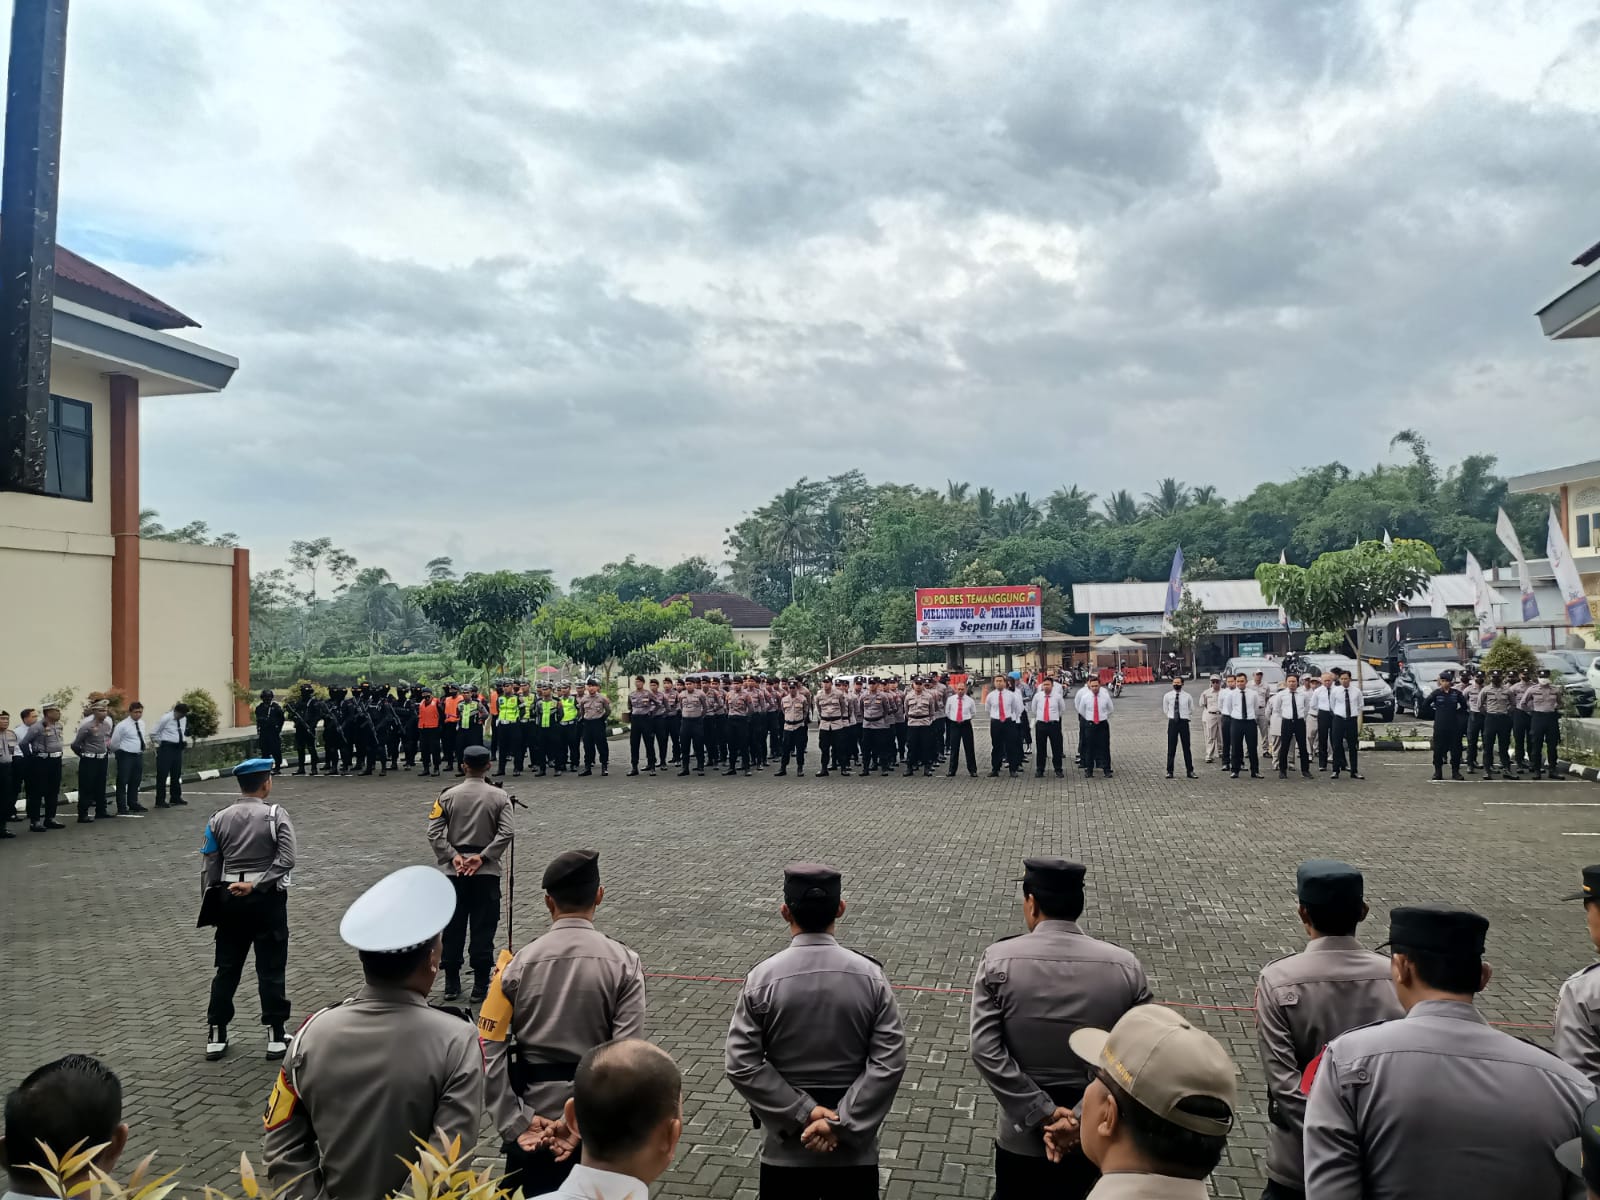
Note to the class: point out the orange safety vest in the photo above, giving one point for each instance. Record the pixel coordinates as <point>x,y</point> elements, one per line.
<point>494,702</point>
<point>451,703</point>
<point>428,714</point>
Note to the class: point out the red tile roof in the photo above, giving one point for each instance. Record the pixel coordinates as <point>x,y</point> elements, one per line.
<point>743,613</point>
<point>81,281</point>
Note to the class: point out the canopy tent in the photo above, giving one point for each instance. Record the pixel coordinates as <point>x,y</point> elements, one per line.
<point>1118,642</point>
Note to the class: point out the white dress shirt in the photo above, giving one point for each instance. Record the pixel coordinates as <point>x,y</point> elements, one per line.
<point>586,1183</point>
<point>1321,700</point>
<point>1177,704</point>
<point>1346,701</point>
<point>959,706</point>
<point>1004,705</point>
<point>1290,706</point>
<point>1048,703</point>
<point>126,735</point>
<point>1239,703</point>
<point>169,728</point>
<point>1085,700</point>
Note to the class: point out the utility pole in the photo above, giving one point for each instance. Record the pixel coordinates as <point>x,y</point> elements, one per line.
<point>29,190</point>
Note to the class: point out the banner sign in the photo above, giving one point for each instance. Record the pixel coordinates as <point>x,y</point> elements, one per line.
<point>1508,539</point>
<point>981,614</point>
<point>1566,573</point>
<point>1482,601</point>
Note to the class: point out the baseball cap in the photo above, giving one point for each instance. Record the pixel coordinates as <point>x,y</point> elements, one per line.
<point>1161,1060</point>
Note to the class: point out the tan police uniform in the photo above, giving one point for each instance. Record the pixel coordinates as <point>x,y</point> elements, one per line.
<point>473,817</point>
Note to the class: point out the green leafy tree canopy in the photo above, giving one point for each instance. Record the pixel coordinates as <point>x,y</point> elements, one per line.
<point>483,611</point>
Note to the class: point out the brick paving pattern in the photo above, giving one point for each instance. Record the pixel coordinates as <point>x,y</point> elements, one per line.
<point>1196,877</point>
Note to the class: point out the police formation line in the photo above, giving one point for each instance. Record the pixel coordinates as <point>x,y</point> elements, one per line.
<point>736,724</point>
<point>1383,1078</point>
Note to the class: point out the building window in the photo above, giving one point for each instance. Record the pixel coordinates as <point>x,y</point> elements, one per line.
<point>69,453</point>
<point>1586,530</point>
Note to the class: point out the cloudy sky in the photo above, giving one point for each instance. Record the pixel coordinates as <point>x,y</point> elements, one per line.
<point>542,284</point>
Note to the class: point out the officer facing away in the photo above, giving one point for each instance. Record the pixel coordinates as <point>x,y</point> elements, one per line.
<point>817,1049</point>
<point>1581,1155</point>
<point>1577,1029</point>
<point>470,830</point>
<point>368,1077</point>
<point>247,855</point>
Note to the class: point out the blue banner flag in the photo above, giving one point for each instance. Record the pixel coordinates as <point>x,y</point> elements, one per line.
<point>1174,584</point>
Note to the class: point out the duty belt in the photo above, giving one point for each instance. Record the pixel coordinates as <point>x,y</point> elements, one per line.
<point>242,876</point>
<point>51,754</point>
<point>828,1097</point>
<point>523,1074</point>
<point>86,755</point>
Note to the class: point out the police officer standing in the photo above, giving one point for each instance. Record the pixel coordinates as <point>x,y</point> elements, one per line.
<point>1471,686</point>
<point>1577,1028</point>
<point>508,730</point>
<point>1542,700</point>
<point>796,706</point>
<point>559,997</point>
<point>817,1050</point>
<point>470,831</point>
<point>1031,993</point>
<point>367,1078</point>
<point>92,745</point>
<point>269,729</point>
<point>247,855</point>
<point>1438,1104</point>
<point>593,709</point>
<point>304,712</point>
<point>1306,1000</point>
<point>1495,700</point>
<point>833,723</point>
<point>641,726</point>
<point>1449,720</point>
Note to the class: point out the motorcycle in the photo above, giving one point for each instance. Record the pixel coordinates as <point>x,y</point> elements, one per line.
<point>1116,685</point>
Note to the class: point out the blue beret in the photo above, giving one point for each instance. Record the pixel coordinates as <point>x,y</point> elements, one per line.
<point>254,766</point>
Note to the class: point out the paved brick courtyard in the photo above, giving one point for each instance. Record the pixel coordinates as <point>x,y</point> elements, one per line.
<point>101,953</point>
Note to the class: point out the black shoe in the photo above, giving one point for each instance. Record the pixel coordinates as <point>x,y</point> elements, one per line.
<point>36,827</point>
<point>1088,773</point>
<point>585,771</point>
<point>951,772</point>
<point>1458,777</point>
<point>452,987</point>
<point>995,774</point>
<point>1192,775</point>
<point>105,814</point>
<point>1169,774</point>
<point>313,772</point>
<point>137,808</point>
<point>731,771</point>
<point>52,823</point>
<point>1437,776</point>
<point>909,772</point>
<point>301,771</point>
<point>781,771</point>
<point>1305,774</point>
<point>1353,775</point>
<point>685,771</point>
<point>1335,775</point>
<point>1233,774</point>
<point>1060,774</point>
<point>822,774</point>
<point>480,990</point>
<point>85,820</point>
<point>700,771</point>
<point>6,834</point>
<point>799,771</point>
<point>633,771</point>
<point>176,803</point>
<point>1283,774</point>
<point>972,774</point>
<point>1255,774</point>
<point>842,770</point>
<point>277,1043</point>
<point>216,1042</point>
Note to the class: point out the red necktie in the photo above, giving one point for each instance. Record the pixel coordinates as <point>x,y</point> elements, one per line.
<point>1097,708</point>
<point>1002,706</point>
<point>959,699</point>
<point>1047,706</point>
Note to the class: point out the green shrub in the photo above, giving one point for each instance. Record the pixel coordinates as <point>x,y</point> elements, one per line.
<point>1506,653</point>
<point>116,701</point>
<point>204,717</point>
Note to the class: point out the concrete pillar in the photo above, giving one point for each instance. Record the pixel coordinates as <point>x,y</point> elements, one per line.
<point>124,394</point>
<point>241,632</point>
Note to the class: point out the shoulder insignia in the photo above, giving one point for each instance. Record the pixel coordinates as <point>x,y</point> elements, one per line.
<point>868,957</point>
<point>437,810</point>
<point>280,1104</point>
<point>494,1017</point>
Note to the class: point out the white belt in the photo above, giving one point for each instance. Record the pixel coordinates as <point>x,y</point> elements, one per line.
<point>91,756</point>
<point>56,754</point>
<point>242,876</point>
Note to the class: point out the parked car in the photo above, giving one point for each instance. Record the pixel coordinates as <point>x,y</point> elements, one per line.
<point>1581,660</point>
<point>1271,669</point>
<point>1416,682</point>
<point>1576,686</point>
<point>1594,674</point>
<point>1377,697</point>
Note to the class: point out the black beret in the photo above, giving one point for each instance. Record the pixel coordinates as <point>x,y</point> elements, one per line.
<point>1053,876</point>
<point>477,756</point>
<point>811,881</point>
<point>572,869</point>
<point>1328,881</point>
<point>1435,929</point>
<point>1591,885</point>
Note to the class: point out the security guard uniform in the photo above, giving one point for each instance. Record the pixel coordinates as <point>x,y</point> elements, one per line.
<point>815,1026</point>
<point>1439,1104</point>
<point>247,855</point>
<point>558,998</point>
<point>1303,1002</point>
<point>366,1078</point>
<point>471,822</point>
<point>1577,1028</point>
<point>1031,993</point>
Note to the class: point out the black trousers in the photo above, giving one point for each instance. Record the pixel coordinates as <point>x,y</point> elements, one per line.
<point>941,739</point>
<point>1447,745</point>
<point>1346,744</point>
<point>447,742</point>
<point>1474,737</point>
<point>738,742</point>
<point>1293,731</point>
<point>92,786</point>
<point>1544,734</point>
<point>818,1183</point>
<point>693,741</point>
<point>1005,745</point>
<point>536,1172</point>
<point>9,778</point>
<point>828,748</point>
<point>428,741</point>
<point>795,742</point>
<point>1519,736</point>
<point>1026,727</point>
<point>169,770</point>
<point>1277,1191</point>
<point>919,747</point>
<point>961,739</point>
<point>305,741</point>
<point>878,752</point>
<point>42,777</point>
<point>1022,1177</point>
<point>1244,736</point>
<point>666,731</point>
<point>642,732</point>
<point>1051,744</point>
<point>1178,734</point>
<point>572,738</point>
<point>271,744</point>
<point>1097,746</point>
<point>595,743</point>
<point>477,908</point>
<point>717,737</point>
<point>1324,736</point>
<point>259,922</point>
<point>508,746</point>
<point>1496,741</point>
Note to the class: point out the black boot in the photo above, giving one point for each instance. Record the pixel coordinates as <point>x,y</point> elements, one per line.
<point>452,985</point>
<point>585,771</point>
<point>633,771</point>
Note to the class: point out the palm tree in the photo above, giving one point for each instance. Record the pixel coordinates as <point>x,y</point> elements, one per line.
<point>1419,452</point>
<point>1203,495</point>
<point>379,601</point>
<point>1071,506</point>
<point>1016,515</point>
<point>956,493</point>
<point>792,529</point>
<point>1121,508</point>
<point>1171,496</point>
<point>983,506</point>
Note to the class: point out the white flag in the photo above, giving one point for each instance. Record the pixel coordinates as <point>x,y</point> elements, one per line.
<point>1436,604</point>
<point>1566,573</point>
<point>1508,539</point>
<point>1482,601</point>
<point>1283,613</point>
<point>1387,544</point>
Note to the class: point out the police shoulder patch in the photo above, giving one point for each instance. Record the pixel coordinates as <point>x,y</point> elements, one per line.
<point>437,810</point>
<point>280,1104</point>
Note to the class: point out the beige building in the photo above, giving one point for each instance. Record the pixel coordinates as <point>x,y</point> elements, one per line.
<point>91,605</point>
<point>1574,492</point>
<point>752,622</point>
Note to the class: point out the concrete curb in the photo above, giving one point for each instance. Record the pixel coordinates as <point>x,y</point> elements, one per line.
<point>1592,774</point>
<point>1394,744</point>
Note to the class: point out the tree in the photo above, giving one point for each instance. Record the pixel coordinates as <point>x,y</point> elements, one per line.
<point>628,580</point>
<point>1071,506</point>
<point>440,568</point>
<point>1203,495</point>
<point>1507,654</point>
<point>956,493</point>
<point>308,560</point>
<point>1190,622</point>
<point>1055,609</point>
<point>1344,588</point>
<point>1170,496</point>
<point>1422,460</point>
<point>1121,508</point>
<point>195,533</point>
<point>379,603</point>
<point>691,575</point>
<point>597,632</point>
<point>483,613</point>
